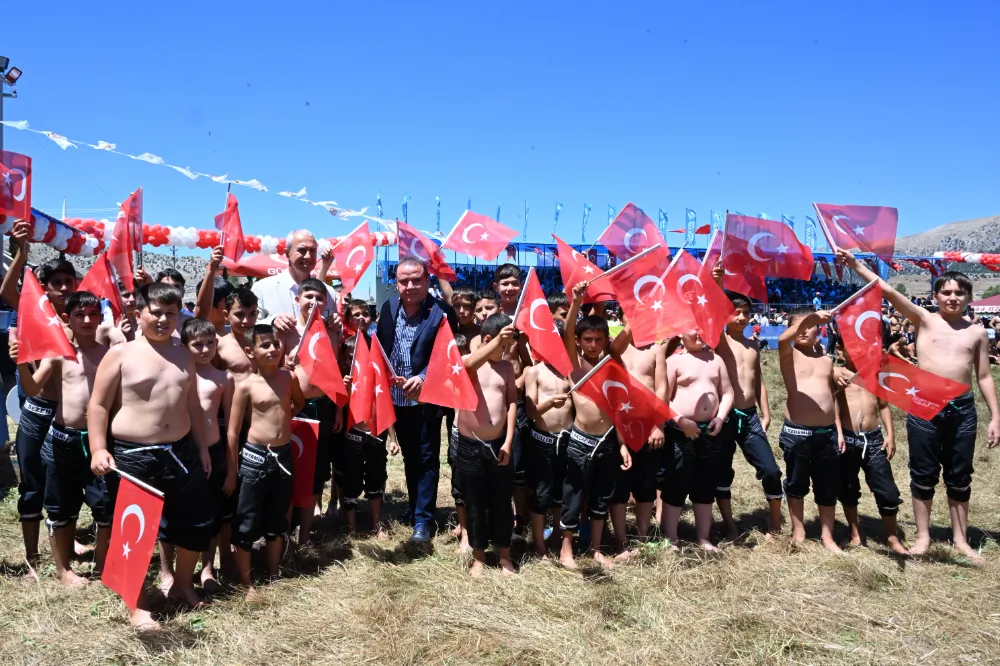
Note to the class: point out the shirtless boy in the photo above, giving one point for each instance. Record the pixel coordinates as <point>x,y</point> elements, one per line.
<point>463,300</point>
<point>58,279</point>
<point>213,293</point>
<point>590,455</point>
<point>215,393</point>
<point>745,427</point>
<point>313,293</point>
<point>701,395</point>
<point>649,366</point>
<point>487,303</point>
<point>145,418</point>
<point>269,397</point>
<point>949,346</point>
<point>866,450</point>
<point>68,479</point>
<point>485,438</point>
<point>811,437</point>
<point>241,306</point>
<point>550,409</point>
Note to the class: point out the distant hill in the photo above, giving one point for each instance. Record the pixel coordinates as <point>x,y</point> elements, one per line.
<point>982,235</point>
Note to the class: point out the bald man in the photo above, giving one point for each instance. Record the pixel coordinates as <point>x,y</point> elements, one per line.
<point>276,294</point>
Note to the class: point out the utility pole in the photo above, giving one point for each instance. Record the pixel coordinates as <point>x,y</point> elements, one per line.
<point>8,77</point>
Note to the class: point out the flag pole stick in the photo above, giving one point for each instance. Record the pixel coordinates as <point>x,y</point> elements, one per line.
<point>849,380</point>
<point>520,297</point>
<point>725,233</point>
<point>309,321</point>
<point>622,265</point>
<point>847,302</point>
<point>142,484</point>
<point>590,374</point>
<point>826,231</point>
<point>140,239</point>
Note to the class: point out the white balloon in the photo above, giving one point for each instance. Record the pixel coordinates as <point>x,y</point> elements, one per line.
<point>41,229</point>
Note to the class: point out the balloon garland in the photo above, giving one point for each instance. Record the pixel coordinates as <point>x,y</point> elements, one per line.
<point>989,260</point>
<point>57,234</point>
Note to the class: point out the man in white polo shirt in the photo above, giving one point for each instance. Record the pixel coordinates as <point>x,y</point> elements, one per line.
<point>276,294</point>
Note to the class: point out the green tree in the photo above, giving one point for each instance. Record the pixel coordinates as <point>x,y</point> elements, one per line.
<point>992,290</point>
<point>900,287</point>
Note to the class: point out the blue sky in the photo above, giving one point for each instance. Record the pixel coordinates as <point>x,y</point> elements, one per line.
<point>760,107</point>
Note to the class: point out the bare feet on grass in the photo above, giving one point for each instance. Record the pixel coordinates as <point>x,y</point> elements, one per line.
<point>166,584</point>
<point>507,566</point>
<point>208,581</point>
<point>920,545</point>
<point>456,532</point>
<point>974,557</point>
<point>708,546</point>
<point>251,594</point>
<point>186,596</point>
<point>381,535</point>
<point>856,538</point>
<point>729,530</point>
<point>72,580</point>
<point>603,560</point>
<point>798,535</point>
<point>476,571</point>
<point>81,549</point>
<point>831,545</point>
<point>142,621</point>
<point>896,547</point>
<point>567,561</point>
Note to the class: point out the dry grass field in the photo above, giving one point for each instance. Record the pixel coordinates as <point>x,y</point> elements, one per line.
<point>758,602</point>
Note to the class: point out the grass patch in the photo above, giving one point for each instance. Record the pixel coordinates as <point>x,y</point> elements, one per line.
<point>762,601</point>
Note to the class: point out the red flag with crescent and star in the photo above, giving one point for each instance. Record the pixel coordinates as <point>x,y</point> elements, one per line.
<point>535,320</point>
<point>765,248</point>
<point>574,268</point>
<point>320,362</point>
<point>305,439</point>
<point>634,409</point>
<point>15,185</point>
<point>866,228</point>
<point>447,383</point>
<point>133,217</point>
<point>631,232</point>
<point>133,535</point>
<point>709,305</point>
<point>383,413</point>
<point>233,245</point>
<point>352,256</point>
<point>918,392</point>
<point>478,236</point>
<point>649,294</point>
<point>360,406</point>
<point>120,248</point>
<point>40,331</point>
<point>412,243</point>
<point>100,281</point>
<point>742,283</point>
<point>860,326</point>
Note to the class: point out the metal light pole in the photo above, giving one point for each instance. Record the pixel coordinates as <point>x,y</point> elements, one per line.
<point>8,77</point>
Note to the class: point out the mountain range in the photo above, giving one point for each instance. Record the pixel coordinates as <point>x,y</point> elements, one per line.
<point>980,235</point>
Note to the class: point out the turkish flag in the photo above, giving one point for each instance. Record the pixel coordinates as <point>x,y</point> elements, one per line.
<point>574,268</point>
<point>634,409</point>
<point>447,383</point>
<point>860,326</point>
<point>39,329</point>
<point>535,319</point>
<point>361,406</point>
<point>320,362</point>
<point>478,236</point>
<point>709,305</point>
<point>133,217</point>
<point>100,281</point>
<point>742,283</point>
<point>305,439</point>
<point>133,535</point>
<point>15,185</point>
<point>765,248</point>
<point>867,228</point>
<point>825,265</point>
<point>120,249</point>
<point>630,233</point>
<point>352,256</point>
<point>384,413</point>
<point>915,391</point>
<point>233,245</point>
<point>648,291</point>
<point>412,243</point>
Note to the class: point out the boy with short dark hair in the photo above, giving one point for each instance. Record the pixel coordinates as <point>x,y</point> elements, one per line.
<point>485,438</point>
<point>590,457</point>
<point>866,449</point>
<point>318,406</point>
<point>507,284</point>
<point>215,393</point>
<point>558,304</point>
<point>745,427</point>
<point>58,279</point>
<point>241,306</point>
<point>811,437</point>
<point>270,397</point>
<point>143,415</point>
<point>700,393</point>
<point>463,300</point>
<point>359,315</point>
<point>213,294</point>
<point>949,346</point>
<point>487,303</point>
<point>68,479</point>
